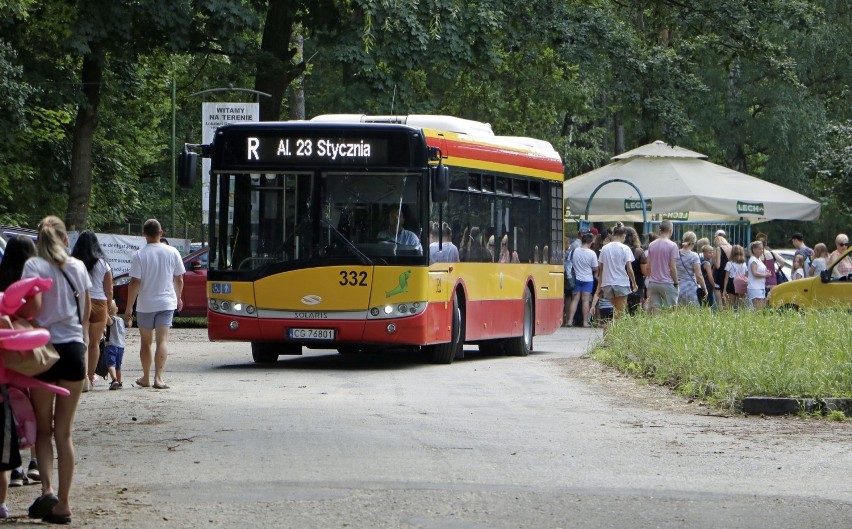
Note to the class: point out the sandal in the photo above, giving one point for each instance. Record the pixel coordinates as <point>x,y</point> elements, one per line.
<point>141,385</point>
<point>43,506</point>
<point>60,519</point>
<point>115,384</point>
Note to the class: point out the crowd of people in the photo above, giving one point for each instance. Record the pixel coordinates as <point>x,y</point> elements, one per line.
<point>613,272</point>
<point>76,310</point>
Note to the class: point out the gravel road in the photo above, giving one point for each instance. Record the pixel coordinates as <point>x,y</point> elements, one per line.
<point>325,441</point>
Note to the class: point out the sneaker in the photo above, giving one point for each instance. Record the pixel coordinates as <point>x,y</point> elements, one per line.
<point>32,471</point>
<point>4,511</point>
<point>16,479</point>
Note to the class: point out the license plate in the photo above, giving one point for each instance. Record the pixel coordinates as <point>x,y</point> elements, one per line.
<point>312,334</point>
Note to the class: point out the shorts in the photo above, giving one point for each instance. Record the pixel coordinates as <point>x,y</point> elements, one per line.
<point>583,286</point>
<point>615,291</point>
<point>99,311</point>
<point>152,320</point>
<point>756,293</point>
<point>661,295</point>
<point>114,356</point>
<point>71,365</point>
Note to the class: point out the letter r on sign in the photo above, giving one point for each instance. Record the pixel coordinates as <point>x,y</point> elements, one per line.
<point>253,144</point>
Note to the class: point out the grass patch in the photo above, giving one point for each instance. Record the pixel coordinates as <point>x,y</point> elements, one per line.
<point>190,323</point>
<point>726,356</point>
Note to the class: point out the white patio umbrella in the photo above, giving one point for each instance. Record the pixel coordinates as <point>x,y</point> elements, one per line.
<point>680,184</point>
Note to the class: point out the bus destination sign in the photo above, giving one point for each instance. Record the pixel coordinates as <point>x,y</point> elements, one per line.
<point>294,148</point>
<point>309,148</point>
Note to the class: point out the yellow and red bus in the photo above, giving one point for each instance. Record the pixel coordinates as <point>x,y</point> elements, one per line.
<point>319,236</point>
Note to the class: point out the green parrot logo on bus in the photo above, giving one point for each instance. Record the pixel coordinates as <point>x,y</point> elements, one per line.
<point>403,285</point>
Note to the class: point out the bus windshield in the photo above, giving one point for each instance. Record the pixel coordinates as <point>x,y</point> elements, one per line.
<point>286,219</point>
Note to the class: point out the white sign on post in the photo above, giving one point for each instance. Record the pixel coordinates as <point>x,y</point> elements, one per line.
<point>215,115</point>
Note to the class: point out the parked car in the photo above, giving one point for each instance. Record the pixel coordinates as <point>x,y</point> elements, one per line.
<point>827,290</point>
<point>194,285</point>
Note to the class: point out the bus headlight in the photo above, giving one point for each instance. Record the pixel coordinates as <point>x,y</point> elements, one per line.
<point>232,307</point>
<point>402,310</point>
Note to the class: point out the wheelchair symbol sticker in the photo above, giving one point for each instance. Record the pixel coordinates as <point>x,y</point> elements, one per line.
<point>221,288</point>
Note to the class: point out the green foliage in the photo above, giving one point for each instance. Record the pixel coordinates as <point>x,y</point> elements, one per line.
<point>831,171</point>
<point>758,85</point>
<point>725,356</point>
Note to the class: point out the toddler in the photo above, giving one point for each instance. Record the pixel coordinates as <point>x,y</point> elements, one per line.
<point>114,350</point>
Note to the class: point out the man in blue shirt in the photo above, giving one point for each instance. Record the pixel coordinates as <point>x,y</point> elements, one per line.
<point>396,219</point>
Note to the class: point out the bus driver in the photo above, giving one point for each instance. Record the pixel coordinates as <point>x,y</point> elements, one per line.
<point>396,219</point>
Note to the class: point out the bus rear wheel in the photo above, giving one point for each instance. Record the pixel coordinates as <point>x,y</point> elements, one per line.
<point>523,345</point>
<point>265,352</point>
<point>445,353</point>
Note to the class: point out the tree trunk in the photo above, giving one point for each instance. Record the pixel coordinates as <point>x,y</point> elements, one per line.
<point>274,68</point>
<point>618,130</point>
<point>80,184</point>
<point>736,117</point>
<point>297,87</point>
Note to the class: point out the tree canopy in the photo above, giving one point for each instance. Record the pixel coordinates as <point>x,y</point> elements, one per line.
<point>761,86</point>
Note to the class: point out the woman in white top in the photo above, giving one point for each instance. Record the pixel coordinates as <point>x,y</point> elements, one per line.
<point>64,312</point>
<point>585,264</point>
<point>757,274</point>
<point>88,250</point>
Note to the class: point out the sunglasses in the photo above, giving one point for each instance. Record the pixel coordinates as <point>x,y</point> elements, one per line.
<point>842,244</point>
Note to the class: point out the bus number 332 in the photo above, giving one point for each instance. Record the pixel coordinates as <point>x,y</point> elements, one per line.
<point>353,279</point>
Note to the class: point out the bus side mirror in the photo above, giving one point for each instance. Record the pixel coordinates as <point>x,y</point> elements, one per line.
<point>440,175</point>
<point>186,168</point>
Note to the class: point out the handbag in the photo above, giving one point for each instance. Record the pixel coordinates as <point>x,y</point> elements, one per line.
<point>780,277</point>
<point>570,277</point>
<point>102,369</point>
<point>740,284</point>
<point>34,362</point>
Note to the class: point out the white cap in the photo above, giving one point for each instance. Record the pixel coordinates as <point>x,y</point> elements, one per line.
<point>720,232</point>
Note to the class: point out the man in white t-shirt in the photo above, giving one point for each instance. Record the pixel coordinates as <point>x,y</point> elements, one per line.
<point>615,273</point>
<point>156,277</point>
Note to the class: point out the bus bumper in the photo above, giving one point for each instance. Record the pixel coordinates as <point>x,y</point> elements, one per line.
<point>400,331</point>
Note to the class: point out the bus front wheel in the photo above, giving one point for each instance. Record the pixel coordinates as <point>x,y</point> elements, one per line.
<point>445,353</point>
<point>265,352</point>
<point>523,345</point>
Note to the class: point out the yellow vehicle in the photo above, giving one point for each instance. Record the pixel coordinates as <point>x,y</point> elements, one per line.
<point>828,290</point>
<point>319,236</point>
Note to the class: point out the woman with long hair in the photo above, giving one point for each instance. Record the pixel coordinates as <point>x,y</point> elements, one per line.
<point>64,312</point>
<point>18,250</point>
<point>688,266</point>
<point>635,299</point>
<point>724,296</point>
<point>88,250</point>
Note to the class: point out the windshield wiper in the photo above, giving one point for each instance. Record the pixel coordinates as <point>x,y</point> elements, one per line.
<point>349,244</point>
